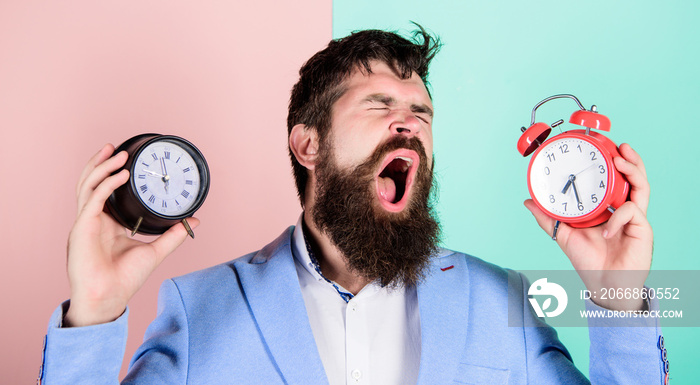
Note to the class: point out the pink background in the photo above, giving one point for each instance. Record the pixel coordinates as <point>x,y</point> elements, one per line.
<point>75,75</point>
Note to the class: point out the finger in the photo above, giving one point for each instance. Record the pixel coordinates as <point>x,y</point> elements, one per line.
<point>546,223</point>
<point>639,185</point>
<point>631,156</point>
<point>172,239</point>
<point>627,214</point>
<point>98,174</point>
<point>95,203</point>
<point>105,152</point>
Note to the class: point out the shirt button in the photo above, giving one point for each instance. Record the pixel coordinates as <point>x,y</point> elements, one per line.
<point>356,374</point>
<point>353,307</point>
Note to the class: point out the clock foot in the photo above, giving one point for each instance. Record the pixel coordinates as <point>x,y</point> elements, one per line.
<point>188,228</point>
<point>136,228</point>
<point>556,229</point>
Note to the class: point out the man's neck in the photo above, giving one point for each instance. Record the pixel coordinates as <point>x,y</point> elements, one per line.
<point>330,259</point>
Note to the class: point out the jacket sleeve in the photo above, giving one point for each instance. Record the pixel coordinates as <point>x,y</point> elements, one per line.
<point>83,355</point>
<point>93,354</point>
<point>623,350</point>
<point>164,355</point>
<point>547,359</point>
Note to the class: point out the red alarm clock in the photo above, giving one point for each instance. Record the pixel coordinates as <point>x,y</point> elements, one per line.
<point>571,176</point>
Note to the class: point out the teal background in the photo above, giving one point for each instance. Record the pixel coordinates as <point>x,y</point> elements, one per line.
<point>637,61</point>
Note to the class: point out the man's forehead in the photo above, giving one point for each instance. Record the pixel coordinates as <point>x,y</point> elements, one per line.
<point>383,82</point>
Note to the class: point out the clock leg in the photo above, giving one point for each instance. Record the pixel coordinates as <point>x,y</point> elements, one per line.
<point>136,228</point>
<point>188,228</point>
<point>556,229</point>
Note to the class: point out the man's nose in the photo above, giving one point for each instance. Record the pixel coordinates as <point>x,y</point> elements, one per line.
<point>405,123</point>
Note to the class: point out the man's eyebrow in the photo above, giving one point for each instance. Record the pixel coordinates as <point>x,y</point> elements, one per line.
<point>381,98</point>
<point>422,109</point>
<point>390,101</point>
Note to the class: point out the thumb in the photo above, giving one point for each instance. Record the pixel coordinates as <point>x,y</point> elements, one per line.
<point>172,239</point>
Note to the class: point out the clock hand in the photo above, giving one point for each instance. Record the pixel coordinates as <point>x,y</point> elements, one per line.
<point>591,165</point>
<point>152,173</point>
<point>165,177</point>
<point>573,184</point>
<point>165,169</point>
<point>568,183</point>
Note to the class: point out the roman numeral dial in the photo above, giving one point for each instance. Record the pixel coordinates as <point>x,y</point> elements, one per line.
<point>167,178</point>
<point>169,181</point>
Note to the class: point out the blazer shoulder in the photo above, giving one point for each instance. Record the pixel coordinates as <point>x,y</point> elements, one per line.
<point>475,264</point>
<point>223,272</point>
<point>481,274</point>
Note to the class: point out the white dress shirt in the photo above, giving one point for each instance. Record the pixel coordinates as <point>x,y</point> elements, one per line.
<point>373,338</point>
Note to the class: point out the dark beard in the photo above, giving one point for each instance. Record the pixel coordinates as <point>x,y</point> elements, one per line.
<point>392,247</point>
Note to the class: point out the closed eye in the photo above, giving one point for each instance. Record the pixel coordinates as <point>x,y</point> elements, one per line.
<point>425,118</point>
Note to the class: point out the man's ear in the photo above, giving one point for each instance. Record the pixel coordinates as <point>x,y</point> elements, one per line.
<point>303,141</point>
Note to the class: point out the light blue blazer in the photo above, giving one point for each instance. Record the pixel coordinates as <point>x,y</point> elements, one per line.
<point>244,322</point>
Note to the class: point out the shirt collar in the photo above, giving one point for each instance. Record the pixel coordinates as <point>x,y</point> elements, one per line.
<point>301,252</point>
<point>305,256</point>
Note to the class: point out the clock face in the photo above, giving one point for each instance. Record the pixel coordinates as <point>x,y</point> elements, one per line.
<point>166,178</point>
<point>569,177</point>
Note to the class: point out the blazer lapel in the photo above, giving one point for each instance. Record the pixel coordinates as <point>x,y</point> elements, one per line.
<point>271,287</point>
<point>443,300</point>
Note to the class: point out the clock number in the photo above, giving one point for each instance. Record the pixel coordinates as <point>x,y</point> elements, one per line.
<point>155,157</point>
<point>178,159</point>
<point>602,185</point>
<point>164,205</point>
<point>167,155</point>
<point>564,204</point>
<point>594,198</point>
<point>186,170</point>
<point>602,169</point>
<point>142,176</point>
<point>551,157</point>
<point>551,199</point>
<point>144,163</point>
<point>143,188</point>
<point>564,148</point>
<point>580,207</point>
<point>593,156</point>
<point>546,171</point>
<point>579,148</point>
<point>152,199</point>
<point>185,194</point>
<point>188,182</point>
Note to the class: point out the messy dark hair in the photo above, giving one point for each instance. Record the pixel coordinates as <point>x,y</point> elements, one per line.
<point>321,78</point>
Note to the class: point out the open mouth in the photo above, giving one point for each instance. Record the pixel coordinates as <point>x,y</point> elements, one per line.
<point>395,178</point>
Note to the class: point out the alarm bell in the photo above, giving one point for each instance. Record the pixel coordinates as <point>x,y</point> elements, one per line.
<point>537,133</point>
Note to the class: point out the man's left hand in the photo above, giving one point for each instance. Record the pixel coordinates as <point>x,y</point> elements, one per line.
<point>623,243</point>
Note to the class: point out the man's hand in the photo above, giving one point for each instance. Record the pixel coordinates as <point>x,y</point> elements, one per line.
<point>105,266</point>
<point>623,243</point>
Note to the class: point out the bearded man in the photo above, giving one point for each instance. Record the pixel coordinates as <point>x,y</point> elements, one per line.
<point>358,292</point>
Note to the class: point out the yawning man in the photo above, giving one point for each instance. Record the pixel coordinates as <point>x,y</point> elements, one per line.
<point>359,290</point>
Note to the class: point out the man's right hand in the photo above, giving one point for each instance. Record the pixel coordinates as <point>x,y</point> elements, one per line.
<point>105,266</point>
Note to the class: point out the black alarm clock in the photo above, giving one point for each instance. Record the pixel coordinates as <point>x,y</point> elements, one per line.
<point>168,182</point>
